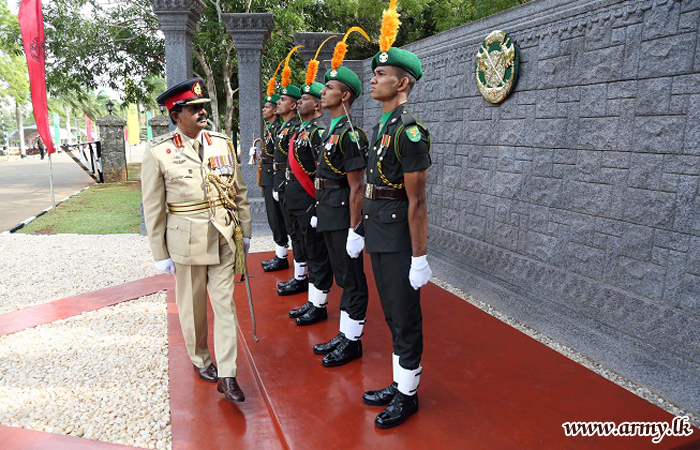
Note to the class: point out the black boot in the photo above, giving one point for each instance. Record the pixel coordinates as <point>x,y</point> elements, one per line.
<point>295,287</point>
<point>325,348</point>
<point>345,352</point>
<point>274,264</point>
<point>312,316</point>
<point>300,311</point>
<point>400,408</point>
<point>284,283</point>
<point>381,397</point>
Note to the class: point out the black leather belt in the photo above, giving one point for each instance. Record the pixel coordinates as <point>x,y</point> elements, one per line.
<point>279,165</point>
<point>325,183</point>
<point>265,160</point>
<point>373,192</point>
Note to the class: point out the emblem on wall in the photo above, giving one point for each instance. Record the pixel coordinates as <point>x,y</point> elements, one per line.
<point>496,66</point>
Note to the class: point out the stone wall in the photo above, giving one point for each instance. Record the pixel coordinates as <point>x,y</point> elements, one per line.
<point>573,205</point>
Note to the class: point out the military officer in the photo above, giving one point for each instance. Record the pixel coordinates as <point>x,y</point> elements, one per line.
<point>300,197</point>
<point>274,212</point>
<point>339,182</point>
<point>196,206</point>
<point>396,222</point>
<point>287,110</point>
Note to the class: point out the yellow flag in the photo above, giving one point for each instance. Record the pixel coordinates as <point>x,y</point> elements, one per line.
<point>132,124</point>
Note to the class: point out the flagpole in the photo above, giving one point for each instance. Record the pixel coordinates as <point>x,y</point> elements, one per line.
<point>53,196</point>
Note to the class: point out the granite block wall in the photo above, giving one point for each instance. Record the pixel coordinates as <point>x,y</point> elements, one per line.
<point>573,205</point>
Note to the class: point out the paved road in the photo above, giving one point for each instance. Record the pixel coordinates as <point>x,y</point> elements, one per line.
<point>24,186</point>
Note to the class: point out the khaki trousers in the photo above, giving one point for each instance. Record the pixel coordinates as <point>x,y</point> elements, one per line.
<point>191,286</point>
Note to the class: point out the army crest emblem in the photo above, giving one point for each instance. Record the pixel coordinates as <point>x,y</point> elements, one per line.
<point>383,57</point>
<point>197,88</point>
<point>413,133</point>
<point>354,136</point>
<point>334,73</point>
<point>497,64</point>
<point>307,88</point>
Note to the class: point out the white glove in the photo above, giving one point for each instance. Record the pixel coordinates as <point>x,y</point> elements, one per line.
<point>253,150</point>
<point>355,244</point>
<point>420,272</point>
<point>276,195</point>
<point>165,266</point>
<point>313,222</point>
<point>246,245</point>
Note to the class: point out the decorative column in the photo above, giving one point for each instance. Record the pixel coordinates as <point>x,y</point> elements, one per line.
<point>160,125</point>
<point>250,32</point>
<point>310,42</point>
<point>178,22</point>
<point>113,154</point>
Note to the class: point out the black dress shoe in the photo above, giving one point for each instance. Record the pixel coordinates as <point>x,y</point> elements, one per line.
<point>401,408</point>
<point>207,373</point>
<point>284,283</point>
<point>229,387</point>
<point>325,348</point>
<point>294,287</point>
<point>345,352</point>
<point>381,397</point>
<point>275,264</point>
<point>300,311</point>
<point>311,316</point>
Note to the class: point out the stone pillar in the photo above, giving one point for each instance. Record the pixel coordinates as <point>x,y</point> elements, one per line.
<point>178,22</point>
<point>250,32</point>
<point>160,125</point>
<point>310,42</point>
<point>113,154</point>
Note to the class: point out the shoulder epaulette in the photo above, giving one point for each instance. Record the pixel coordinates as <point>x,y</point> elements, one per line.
<point>161,139</point>
<point>217,134</point>
<point>407,119</point>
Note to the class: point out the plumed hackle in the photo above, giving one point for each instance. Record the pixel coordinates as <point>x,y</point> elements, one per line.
<point>341,48</point>
<point>312,70</point>
<point>287,72</point>
<point>272,84</point>
<point>390,27</point>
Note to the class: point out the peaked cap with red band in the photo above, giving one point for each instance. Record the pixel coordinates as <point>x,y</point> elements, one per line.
<point>188,92</point>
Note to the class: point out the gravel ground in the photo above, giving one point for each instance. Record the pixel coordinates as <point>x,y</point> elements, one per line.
<point>572,354</point>
<point>102,375</point>
<point>37,269</point>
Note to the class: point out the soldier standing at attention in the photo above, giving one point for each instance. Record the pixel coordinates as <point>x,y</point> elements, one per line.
<point>396,219</point>
<point>287,110</point>
<point>339,180</point>
<point>274,212</point>
<point>198,219</point>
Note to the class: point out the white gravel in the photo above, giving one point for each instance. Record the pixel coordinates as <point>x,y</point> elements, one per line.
<point>36,269</point>
<point>102,375</point>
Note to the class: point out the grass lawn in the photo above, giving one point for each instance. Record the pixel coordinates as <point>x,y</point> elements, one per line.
<point>111,208</point>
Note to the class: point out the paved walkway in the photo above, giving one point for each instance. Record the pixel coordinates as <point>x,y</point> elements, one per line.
<point>485,384</point>
<point>24,186</point>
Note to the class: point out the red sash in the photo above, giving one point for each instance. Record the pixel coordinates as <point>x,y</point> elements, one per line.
<point>305,181</point>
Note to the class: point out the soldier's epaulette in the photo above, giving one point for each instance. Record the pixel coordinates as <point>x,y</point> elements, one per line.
<point>161,139</point>
<point>407,119</point>
<point>217,134</point>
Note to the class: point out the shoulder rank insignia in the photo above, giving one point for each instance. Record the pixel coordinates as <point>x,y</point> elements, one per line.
<point>208,138</point>
<point>178,140</point>
<point>354,136</point>
<point>413,133</point>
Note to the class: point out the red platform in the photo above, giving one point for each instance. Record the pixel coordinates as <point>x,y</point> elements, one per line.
<point>485,385</point>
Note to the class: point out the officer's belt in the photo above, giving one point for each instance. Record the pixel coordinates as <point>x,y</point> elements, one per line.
<point>374,192</point>
<point>325,183</point>
<point>279,165</point>
<point>193,206</point>
<point>265,160</point>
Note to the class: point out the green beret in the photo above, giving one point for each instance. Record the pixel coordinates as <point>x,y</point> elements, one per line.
<point>272,98</point>
<point>291,91</point>
<point>347,76</point>
<point>399,58</point>
<point>314,89</point>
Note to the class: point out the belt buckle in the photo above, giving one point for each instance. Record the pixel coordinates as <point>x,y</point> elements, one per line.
<point>317,183</point>
<point>287,175</point>
<point>369,191</point>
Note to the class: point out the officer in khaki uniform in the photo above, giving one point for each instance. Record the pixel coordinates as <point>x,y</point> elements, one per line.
<point>196,208</point>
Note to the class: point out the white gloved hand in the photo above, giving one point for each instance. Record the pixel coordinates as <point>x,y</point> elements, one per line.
<point>420,272</point>
<point>354,244</point>
<point>166,266</point>
<point>252,151</point>
<point>276,195</point>
<point>246,245</point>
<point>313,222</point>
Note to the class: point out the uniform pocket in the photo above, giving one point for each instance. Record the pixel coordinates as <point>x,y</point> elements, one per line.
<point>177,236</point>
<point>338,197</point>
<point>393,215</point>
<point>181,181</point>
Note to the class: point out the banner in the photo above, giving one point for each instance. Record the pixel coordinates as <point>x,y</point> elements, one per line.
<point>88,128</point>
<point>31,24</point>
<point>132,124</point>
<point>149,130</point>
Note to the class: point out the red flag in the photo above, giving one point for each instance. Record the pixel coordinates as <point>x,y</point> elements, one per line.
<point>31,24</point>
<point>88,128</point>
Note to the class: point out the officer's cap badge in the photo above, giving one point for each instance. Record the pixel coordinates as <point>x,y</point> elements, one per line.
<point>383,57</point>
<point>307,88</point>
<point>334,73</point>
<point>197,88</point>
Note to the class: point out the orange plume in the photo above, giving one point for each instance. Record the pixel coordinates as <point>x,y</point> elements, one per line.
<point>272,84</point>
<point>287,72</point>
<point>313,64</point>
<point>390,27</point>
<point>341,47</point>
